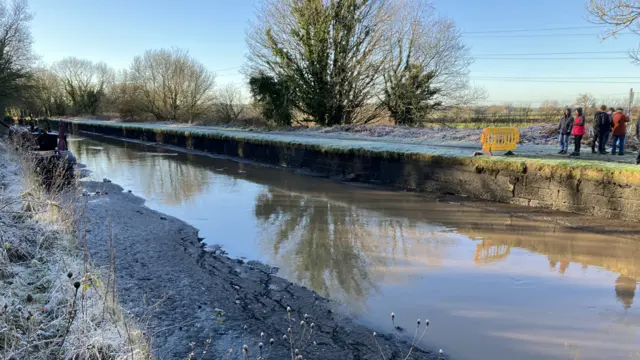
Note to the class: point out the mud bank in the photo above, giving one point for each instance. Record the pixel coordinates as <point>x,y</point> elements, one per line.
<point>166,280</point>
<point>587,187</point>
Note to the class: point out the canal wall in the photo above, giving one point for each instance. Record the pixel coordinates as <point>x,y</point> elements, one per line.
<point>586,187</point>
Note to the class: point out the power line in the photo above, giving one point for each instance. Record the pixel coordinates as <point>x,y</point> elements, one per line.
<point>533,30</point>
<point>555,53</point>
<point>559,81</point>
<point>538,35</point>
<point>560,77</point>
<point>552,58</point>
<point>227,69</point>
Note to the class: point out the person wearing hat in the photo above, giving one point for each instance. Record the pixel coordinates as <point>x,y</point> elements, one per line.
<point>564,128</point>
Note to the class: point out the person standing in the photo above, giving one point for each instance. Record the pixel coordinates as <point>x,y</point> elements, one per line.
<point>601,129</point>
<point>638,138</point>
<point>565,127</point>
<point>595,131</point>
<point>577,131</point>
<point>619,121</point>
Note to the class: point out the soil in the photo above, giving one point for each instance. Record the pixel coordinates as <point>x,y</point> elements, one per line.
<point>171,285</point>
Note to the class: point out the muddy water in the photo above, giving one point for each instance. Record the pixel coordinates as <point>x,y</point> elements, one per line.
<point>493,285</point>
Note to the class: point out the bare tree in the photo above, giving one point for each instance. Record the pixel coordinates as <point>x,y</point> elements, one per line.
<point>418,35</point>
<point>329,51</point>
<point>550,109</point>
<point>586,101</point>
<point>618,15</point>
<point>84,82</point>
<point>125,97</point>
<point>16,54</point>
<point>48,92</point>
<point>228,104</point>
<point>173,85</point>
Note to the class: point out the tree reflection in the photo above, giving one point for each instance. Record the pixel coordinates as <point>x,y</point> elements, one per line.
<point>625,290</point>
<point>172,179</point>
<point>330,250</point>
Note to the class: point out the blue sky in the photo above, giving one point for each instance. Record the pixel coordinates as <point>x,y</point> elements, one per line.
<point>213,31</point>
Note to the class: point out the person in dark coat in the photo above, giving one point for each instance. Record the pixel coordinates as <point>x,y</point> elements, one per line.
<point>564,128</point>
<point>601,130</point>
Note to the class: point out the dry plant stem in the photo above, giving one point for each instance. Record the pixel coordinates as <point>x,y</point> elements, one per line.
<point>379,348</point>
<point>72,317</point>
<point>414,343</point>
<point>44,234</point>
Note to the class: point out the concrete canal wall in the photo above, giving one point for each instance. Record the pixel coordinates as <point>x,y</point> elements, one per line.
<point>585,187</point>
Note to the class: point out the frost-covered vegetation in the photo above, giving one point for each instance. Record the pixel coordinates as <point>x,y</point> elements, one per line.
<point>54,304</point>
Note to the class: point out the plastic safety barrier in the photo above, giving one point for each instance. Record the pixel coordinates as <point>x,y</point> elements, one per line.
<point>500,139</point>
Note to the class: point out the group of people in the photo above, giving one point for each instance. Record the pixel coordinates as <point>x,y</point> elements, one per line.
<point>606,123</point>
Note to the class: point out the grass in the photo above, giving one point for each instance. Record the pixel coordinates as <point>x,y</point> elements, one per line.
<point>53,304</point>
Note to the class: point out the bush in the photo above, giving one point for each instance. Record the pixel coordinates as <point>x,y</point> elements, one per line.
<point>274,97</point>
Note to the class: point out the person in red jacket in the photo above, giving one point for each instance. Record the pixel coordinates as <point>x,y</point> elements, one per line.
<point>577,131</point>
<point>620,121</point>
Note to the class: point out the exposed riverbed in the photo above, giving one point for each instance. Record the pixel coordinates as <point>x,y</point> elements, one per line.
<point>493,285</point>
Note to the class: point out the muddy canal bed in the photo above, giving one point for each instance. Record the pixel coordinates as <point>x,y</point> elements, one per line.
<point>493,285</point>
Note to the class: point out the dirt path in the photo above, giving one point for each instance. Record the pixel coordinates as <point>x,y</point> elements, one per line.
<point>167,281</point>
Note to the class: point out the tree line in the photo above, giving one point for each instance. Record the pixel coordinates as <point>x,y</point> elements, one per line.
<point>328,62</point>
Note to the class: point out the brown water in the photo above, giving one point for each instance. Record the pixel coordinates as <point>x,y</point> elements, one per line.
<point>493,285</point>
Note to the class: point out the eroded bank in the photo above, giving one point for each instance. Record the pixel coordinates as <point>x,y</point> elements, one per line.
<point>586,187</point>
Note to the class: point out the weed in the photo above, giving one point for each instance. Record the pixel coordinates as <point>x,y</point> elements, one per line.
<point>299,341</point>
<point>53,300</point>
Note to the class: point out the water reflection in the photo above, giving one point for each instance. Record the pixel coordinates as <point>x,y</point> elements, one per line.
<point>349,246</point>
<point>622,258</point>
<point>157,170</point>
<point>329,239</point>
<point>343,243</point>
<point>369,247</point>
<point>625,290</point>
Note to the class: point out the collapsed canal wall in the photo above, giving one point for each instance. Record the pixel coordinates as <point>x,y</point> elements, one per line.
<point>591,188</point>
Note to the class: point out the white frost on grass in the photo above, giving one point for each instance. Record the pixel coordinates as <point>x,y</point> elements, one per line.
<point>39,263</point>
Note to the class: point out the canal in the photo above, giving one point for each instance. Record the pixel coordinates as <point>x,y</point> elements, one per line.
<point>493,285</point>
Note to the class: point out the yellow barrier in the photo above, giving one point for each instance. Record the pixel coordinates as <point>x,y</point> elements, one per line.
<point>500,139</point>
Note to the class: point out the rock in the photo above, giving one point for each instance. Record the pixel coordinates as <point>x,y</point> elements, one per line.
<point>106,180</point>
<point>478,153</point>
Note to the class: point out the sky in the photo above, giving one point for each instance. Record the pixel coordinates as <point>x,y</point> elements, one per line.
<point>114,31</point>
